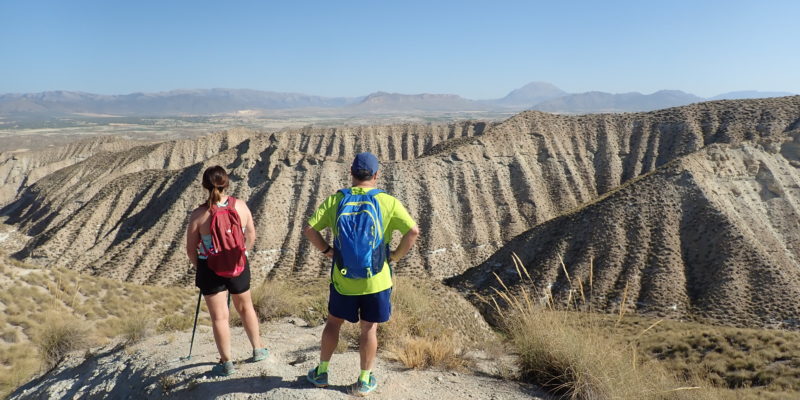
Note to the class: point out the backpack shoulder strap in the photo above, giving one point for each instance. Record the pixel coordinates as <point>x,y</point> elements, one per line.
<point>374,192</point>
<point>346,191</point>
<point>231,202</point>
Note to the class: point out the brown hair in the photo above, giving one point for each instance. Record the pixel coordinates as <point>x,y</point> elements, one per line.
<point>215,180</point>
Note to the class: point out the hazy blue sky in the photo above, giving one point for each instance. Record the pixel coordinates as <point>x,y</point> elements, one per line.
<point>478,49</point>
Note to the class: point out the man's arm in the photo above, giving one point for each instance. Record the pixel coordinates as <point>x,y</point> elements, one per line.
<point>405,244</point>
<point>317,240</point>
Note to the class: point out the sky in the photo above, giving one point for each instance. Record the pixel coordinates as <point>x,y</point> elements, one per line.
<point>477,49</point>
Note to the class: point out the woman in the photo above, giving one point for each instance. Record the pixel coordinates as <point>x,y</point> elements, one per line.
<point>213,286</point>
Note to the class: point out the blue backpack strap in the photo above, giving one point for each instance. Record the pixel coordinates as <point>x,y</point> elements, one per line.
<point>373,192</point>
<point>346,192</point>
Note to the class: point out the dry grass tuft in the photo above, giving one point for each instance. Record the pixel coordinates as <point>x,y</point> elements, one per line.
<point>59,338</point>
<point>276,299</point>
<point>174,322</point>
<point>424,352</point>
<point>428,327</point>
<point>571,356</point>
<point>135,328</point>
<point>315,308</point>
<point>348,338</point>
<point>22,366</point>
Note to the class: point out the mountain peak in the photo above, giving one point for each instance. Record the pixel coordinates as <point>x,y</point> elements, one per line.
<point>532,93</point>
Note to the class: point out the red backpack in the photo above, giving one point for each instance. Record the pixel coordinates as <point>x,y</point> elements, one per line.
<point>226,257</point>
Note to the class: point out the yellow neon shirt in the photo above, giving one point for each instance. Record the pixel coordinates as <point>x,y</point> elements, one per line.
<point>395,218</point>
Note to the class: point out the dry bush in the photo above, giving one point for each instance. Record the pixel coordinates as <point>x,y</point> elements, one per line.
<point>99,311</point>
<point>422,352</point>
<point>348,338</point>
<point>10,335</point>
<point>18,319</point>
<point>234,319</point>
<point>315,308</point>
<point>58,338</point>
<point>20,264</point>
<point>21,366</point>
<point>50,306</point>
<point>90,291</point>
<point>275,299</point>
<point>725,356</point>
<point>174,322</point>
<point>35,278</point>
<point>571,356</point>
<point>135,327</point>
<point>116,305</point>
<point>425,329</point>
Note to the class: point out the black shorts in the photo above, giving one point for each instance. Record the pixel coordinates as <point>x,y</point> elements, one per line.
<point>211,283</point>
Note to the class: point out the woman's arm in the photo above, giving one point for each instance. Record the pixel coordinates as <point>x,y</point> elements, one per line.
<point>249,225</point>
<point>192,238</point>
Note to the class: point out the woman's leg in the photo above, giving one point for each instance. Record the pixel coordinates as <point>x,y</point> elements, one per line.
<point>244,306</point>
<point>218,308</point>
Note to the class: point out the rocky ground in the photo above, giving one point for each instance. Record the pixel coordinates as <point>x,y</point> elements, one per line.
<point>154,368</point>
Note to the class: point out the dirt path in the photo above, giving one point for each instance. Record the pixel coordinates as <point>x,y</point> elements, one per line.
<point>153,369</point>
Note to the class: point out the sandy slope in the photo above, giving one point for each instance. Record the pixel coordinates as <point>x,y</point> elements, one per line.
<point>20,169</point>
<point>153,369</point>
<point>470,190</point>
<point>715,234</point>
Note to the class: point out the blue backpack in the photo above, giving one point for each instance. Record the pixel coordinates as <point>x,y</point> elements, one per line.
<point>359,251</point>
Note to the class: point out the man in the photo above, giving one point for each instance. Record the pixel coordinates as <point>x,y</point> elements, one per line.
<point>361,283</point>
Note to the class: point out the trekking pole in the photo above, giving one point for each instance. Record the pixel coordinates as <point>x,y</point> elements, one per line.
<point>196,313</point>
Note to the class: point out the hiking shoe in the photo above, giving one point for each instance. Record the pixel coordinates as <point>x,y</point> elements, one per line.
<point>319,380</point>
<point>361,388</point>
<point>223,369</point>
<point>259,354</point>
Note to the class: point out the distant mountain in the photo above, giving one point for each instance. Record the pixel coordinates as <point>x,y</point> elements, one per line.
<point>175,102</point>
<point>530,94</point>
<point>388,102</point>
<point>593,102</point>
<point>540,96</point>
<point>749,94</point>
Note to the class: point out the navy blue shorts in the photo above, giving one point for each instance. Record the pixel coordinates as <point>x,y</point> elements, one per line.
<point>376,307</point>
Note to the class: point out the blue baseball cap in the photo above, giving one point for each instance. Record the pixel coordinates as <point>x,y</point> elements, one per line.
<point>365,160</point>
